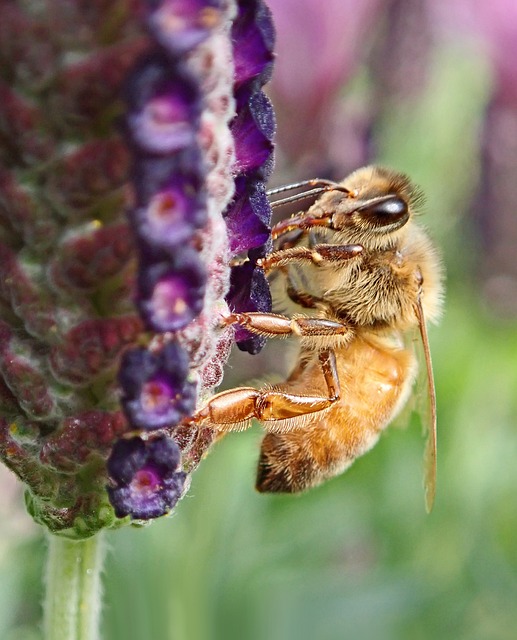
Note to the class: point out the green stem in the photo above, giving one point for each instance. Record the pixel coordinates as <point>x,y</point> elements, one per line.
<point>73,589</point>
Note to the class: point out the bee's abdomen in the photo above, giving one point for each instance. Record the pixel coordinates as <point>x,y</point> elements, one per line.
<point>375,382</point>
<point>284,467</point>
<point>294,462</point>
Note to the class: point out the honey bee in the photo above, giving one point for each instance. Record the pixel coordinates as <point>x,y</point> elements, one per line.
<point>366,276</point>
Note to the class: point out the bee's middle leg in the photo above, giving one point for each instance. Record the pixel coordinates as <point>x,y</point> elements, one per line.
<point>233,409</point>
<point>303,298</point>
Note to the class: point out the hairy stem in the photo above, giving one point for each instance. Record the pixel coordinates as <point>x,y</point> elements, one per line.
<point>73,589</point>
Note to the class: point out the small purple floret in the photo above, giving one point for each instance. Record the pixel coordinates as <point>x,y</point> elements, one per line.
<point>144,476</point>
<point>164,106</point>
<point>180,25</point>
<point>172,214</point>
<point>156,392</point>
<point>172,293</point>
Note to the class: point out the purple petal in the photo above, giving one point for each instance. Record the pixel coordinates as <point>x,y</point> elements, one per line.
<point>253,35</point>
<point>253,130</point>
<point>154,173</point>
<point>249,291</point>
<point>248,216</point>
<point>159,406</point>
<point>127,456</point>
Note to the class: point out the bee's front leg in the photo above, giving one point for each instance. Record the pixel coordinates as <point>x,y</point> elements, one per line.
<point>319,254</point>
<point>233,410</point>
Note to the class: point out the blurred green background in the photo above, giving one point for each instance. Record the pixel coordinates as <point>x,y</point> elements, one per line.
<point>357,557</point>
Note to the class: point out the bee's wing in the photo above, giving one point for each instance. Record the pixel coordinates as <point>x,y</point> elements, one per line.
<point>429,413</point>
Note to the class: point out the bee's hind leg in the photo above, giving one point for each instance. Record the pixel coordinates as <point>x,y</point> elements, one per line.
<point>232,410</point>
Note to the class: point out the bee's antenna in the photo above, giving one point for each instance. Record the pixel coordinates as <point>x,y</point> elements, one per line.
<point>313,183</point>
<point>317,187</point>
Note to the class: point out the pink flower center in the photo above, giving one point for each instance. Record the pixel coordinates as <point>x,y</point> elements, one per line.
<point>155,396</point>
<point>145,482</point>
<point>169,298</point>
<point>167,207</point>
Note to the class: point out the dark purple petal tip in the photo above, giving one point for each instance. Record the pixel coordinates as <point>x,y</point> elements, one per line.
<point>153,173</point>
<point>144,477</point>
<point>263,114</point>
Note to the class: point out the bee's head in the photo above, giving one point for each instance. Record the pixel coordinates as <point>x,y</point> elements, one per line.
<point>381,202</point>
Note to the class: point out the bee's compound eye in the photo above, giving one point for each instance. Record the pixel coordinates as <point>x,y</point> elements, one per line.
<point>385,212</point>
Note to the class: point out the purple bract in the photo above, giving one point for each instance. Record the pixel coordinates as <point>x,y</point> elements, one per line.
<point>253,129</point>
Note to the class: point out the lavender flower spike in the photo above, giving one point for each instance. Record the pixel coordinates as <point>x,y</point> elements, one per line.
<point>200,130</point>
<point>114,250</point>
